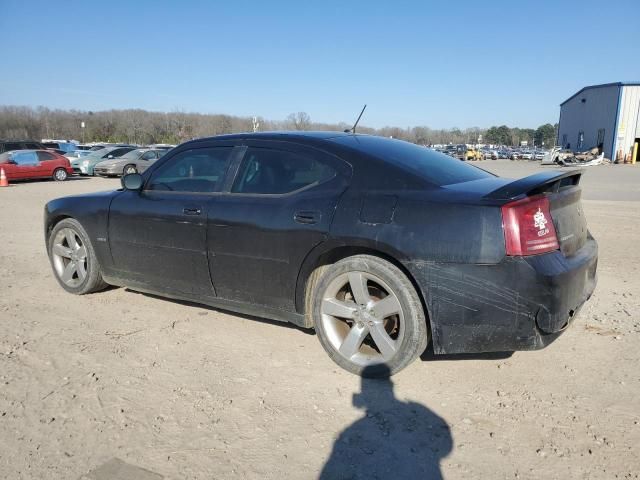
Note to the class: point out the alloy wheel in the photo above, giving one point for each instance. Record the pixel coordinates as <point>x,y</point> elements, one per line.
<point>69,257</point>
<point>363,318</point>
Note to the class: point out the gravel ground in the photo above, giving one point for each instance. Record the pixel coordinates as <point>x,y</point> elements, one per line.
<point>121,385</point>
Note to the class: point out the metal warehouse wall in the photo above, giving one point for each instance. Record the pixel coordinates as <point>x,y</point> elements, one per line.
<point>598,111</point>
<point>628,121</point>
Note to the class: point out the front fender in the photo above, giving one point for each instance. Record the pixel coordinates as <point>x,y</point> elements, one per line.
<point>92,211</point>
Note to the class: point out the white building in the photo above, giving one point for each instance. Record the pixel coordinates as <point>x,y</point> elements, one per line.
<point>605,116</point>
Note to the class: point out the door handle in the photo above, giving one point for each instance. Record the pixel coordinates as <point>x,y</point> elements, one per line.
<point>307,217</point>
<point>192,210</point>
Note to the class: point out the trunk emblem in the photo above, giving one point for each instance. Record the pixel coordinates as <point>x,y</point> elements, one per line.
<point>540,222</point>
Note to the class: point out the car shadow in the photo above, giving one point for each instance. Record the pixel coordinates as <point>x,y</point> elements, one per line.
<point>187,303</point>
<point>393,439</point>
<point>27,181</point>
<point>76,177</point>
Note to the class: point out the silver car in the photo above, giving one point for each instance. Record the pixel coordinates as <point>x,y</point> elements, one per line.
<point>136,161</point>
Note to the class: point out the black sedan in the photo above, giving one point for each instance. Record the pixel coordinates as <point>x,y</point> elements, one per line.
<point>378,244</point>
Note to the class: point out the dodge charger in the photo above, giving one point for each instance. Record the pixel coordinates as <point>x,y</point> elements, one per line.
<point>379,245</point>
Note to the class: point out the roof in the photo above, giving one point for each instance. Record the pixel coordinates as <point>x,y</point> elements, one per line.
<point>319,135</point>
<point>602,85</point>
<point>312,138</point>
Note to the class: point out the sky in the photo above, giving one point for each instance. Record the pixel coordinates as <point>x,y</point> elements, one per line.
<point>436,64</point>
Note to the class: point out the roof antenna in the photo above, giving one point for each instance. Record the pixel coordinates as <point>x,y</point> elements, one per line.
<point>353,129</point>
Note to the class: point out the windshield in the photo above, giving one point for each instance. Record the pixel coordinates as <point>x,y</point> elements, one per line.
<point>132,155</point>
<point>435,167</point>
<point>97,153</point>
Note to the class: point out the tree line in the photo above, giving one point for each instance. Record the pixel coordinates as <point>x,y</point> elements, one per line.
<point>145,127</point>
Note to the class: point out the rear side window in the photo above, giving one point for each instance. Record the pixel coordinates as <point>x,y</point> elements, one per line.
<point>148,156</point>
<point>435,167</point>
<point>44,156</point>
<point>200,170</point>
<point>268,171</point>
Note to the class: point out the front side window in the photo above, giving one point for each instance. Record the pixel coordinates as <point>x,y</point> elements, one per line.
<point>200,170</point>
<point>148,156</point>
<point>267,171</point>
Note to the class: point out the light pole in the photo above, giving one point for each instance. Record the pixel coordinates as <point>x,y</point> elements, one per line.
<point>82,128</point>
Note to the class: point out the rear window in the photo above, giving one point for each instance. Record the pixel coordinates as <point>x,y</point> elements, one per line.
<point>435,167</point>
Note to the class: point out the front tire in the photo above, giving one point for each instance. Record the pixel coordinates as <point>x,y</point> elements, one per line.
<point>368,316</point>
<point>73,258</point>
<point>129,169</point>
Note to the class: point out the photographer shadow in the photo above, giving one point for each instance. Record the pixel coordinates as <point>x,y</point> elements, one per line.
<point>394,439</point>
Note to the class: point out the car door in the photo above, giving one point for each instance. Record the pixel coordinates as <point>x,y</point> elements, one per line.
<point>48,163</point>
<point>25,165</point>
<point>157,235</point>
<point>279,207</point>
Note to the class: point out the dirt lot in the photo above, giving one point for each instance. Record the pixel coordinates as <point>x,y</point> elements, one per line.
<point>179,391</point>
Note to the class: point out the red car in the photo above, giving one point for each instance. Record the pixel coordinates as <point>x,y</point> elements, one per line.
<point>25,164</point>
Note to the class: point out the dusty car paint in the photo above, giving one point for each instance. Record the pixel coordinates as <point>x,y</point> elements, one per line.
<point>251,254</point>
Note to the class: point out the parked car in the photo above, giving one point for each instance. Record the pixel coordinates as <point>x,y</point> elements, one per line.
<point>161,146</point>
<point>28,164</point>
<point>376,243</point>
<point>451,150</point>
<point>75,154</point>
<point>59,145</point>
<point>135,161</point>
<point>490,154</point>
<point>514,155</point>
<point>85,165</point>
<point>9,145</point>
<point>99,146</point>
<point>526,155</point>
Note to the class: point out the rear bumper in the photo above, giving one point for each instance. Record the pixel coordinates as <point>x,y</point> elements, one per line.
<point>522,303</point>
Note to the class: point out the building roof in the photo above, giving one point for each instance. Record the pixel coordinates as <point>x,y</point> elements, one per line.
<point>602,85</point>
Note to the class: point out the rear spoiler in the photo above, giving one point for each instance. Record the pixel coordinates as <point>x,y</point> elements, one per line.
<point>542,182</point>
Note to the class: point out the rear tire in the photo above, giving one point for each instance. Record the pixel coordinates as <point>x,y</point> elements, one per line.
<point>73,258</point>
<point>60,175</point>
<point>368,316</point>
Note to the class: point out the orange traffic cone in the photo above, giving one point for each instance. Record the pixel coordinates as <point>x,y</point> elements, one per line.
<point>3,179</point>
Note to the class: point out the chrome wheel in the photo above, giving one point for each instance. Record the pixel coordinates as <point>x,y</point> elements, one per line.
<point>69,256</point>
<point>362,318</point>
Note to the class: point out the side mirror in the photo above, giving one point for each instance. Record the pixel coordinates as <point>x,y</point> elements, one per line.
<point>132,181</point>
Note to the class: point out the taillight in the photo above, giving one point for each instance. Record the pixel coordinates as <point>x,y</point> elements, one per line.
<point>528,227</point>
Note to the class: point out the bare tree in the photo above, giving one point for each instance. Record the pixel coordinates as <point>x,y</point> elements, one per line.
<point>299,121</point>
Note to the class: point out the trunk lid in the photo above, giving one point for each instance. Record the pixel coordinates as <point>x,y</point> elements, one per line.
<point>564,194</point>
